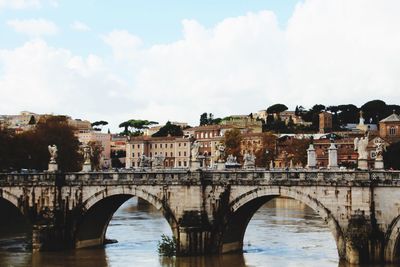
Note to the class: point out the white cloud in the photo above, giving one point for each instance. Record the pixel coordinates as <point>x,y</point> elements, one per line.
<point>33,27</point>
<point>123,44</point>
<point>80,26</point>
<point>22,4</point>
<point>331,52</point>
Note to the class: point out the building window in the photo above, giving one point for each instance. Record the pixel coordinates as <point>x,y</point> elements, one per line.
<point>392,131</point>
<point>184,154</point>
<point>184,163</point>
<point>179,163</point>
<point>150,145</point>
<point>184,144</point>
<point>171,145</point>
<point>155,145</point>
<point>179,153</point>
<point>179,144</point>
<point>151,154</point>
<point>172,154</point>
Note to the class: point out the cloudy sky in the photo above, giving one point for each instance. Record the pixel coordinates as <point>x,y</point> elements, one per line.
<point>173,60</point>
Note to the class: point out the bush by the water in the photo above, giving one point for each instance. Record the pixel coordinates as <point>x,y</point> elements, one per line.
<point>167,246</point>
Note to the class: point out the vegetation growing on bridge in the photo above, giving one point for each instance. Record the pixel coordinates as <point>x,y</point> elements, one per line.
<point>167,246</point>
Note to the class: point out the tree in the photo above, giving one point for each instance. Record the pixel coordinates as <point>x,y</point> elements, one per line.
<point>232,142</point>
<point>203,119</point>
<point>348,113</point>
<point>137,126</point>
<point>277,108</point>
<point>266,153</point>
<point>29,150</point>
<point>391,157</point>
<point>99,123</point>
<point>56,130</point>
<point>32,120</point>
<point>375,110</point>
<point>169,129</point>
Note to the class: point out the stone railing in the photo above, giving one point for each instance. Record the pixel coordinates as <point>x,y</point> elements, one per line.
<point>182,175</point>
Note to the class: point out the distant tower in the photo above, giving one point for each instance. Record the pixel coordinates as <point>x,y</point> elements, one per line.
<point>325,122</point>
<point>361,124</point>
<point>362,120</point>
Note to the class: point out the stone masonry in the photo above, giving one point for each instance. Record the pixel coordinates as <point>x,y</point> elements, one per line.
<point>208,211</point>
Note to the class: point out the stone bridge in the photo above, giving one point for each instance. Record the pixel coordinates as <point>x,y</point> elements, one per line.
<point>209,210</point>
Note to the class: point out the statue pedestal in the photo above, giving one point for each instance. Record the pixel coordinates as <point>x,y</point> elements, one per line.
<point>362,164</point>
<point>87,167</point>
<point>53,167</point>
<point>249,166</point>
<point>195,165</point>
<point>220,165</point>
<point>379,164</point>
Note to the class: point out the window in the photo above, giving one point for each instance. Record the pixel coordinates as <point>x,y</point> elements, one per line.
<point>172,154</point>
<point>179,153</point>
<point>179,144</point>
<point>150,145</point>
<point>151,154</point>
<point>179,163</point>
<point>171,145</point>
<point>392,131</point>
<point>184,144</point>
<point>184,163</point>
<point>155,145</point>
<point>184,154</point>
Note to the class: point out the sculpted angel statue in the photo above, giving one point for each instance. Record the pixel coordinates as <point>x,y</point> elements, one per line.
<point>194,153</point>
<point>53,153</point>
<point>360,145</point>
<point>220,153</point>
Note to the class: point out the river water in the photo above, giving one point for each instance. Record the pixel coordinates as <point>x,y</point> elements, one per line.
<point>283,233</point>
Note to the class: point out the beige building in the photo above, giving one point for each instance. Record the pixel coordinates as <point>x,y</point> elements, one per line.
<point>325,122</point>
<point>176,150</point>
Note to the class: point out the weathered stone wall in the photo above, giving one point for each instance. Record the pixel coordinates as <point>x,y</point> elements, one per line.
<point>208,211</point>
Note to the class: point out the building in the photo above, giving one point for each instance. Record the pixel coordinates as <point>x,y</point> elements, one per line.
<point>248,123</point>
<point>118,149</point>
<point>176,150</point>
<point>389,128</point>
<point>325,122</point>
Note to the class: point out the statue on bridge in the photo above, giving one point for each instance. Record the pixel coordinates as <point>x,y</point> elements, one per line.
<point>87,153</point>
<point>220,153</point>
<point>360,145</point>
<point>144,162</point>
<point>53,153</point>
<point>249,161</point>
<point>53,166</point>
<point>158,161</point>
<point>194,152</point>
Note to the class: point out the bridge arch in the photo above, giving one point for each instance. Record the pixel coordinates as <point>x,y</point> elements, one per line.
<point>244,206</point>
<point>392,248</point>
<point>97,211</point>
<point>11,198</point>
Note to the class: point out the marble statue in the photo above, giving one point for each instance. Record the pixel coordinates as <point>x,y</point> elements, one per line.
<point>249,160</point>
<point>360,145</point>
<point>87,153</point>
<point>53,153</point>
<point>380,148</point>
<point>220,153</point>
<point>158,161</point>
<point>144,161</point>
<point>231,159</point>
<point>194,152</point>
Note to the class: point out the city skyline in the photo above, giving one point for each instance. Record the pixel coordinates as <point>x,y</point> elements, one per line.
<point>110,64</point>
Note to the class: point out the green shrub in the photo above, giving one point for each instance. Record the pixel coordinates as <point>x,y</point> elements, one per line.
<point>167,246</point>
